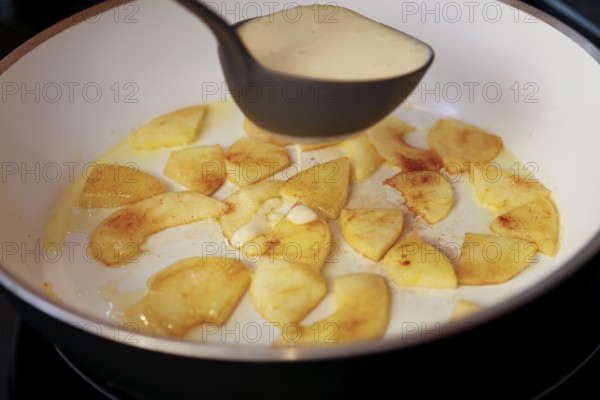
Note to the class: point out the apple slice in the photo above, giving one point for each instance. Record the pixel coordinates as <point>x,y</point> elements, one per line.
<point>371,232</point>
<point>256,132</point>
<point>119,237</point>
<point>173,129</point>
<point>361,313</point>
<point>114,185</point>
<point>536,221</point>
<point>198,168</point>
<point>364,158</point>
<point>250,160</point>
<point>413,262</point>
<point>322,187</point>
<point>191,292</point>
<point>245,203</point>
<point>388,137</point>
<point>503,190</point>
<point>284,292</point>
<point>461,145</point>
<point>464,308</point>
<point>488,259</point>
<point>308,243</point>
<point>426,193</point>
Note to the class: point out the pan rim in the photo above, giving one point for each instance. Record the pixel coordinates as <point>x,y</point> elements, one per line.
<point>254,354</point>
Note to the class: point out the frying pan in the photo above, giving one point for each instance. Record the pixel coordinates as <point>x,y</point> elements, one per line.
<point>74,91</point>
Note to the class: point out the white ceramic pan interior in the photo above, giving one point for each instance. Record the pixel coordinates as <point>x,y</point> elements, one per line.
<point>504,67</point>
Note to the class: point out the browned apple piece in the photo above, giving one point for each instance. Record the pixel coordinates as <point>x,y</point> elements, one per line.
<point>189,293</point>
<point>426,193</point>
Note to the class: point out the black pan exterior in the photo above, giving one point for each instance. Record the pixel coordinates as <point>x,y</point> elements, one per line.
<point>476,358</point>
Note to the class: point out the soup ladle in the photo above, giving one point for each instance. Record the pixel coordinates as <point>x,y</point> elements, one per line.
<point>300,108</point>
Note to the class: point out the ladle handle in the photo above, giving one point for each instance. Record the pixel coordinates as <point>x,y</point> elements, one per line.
<point>226,35</point>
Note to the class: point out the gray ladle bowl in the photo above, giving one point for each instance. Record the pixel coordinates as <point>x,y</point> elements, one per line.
<point>299,107</point>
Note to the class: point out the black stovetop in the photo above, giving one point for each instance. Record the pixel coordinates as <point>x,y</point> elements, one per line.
<point>561,354</point>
